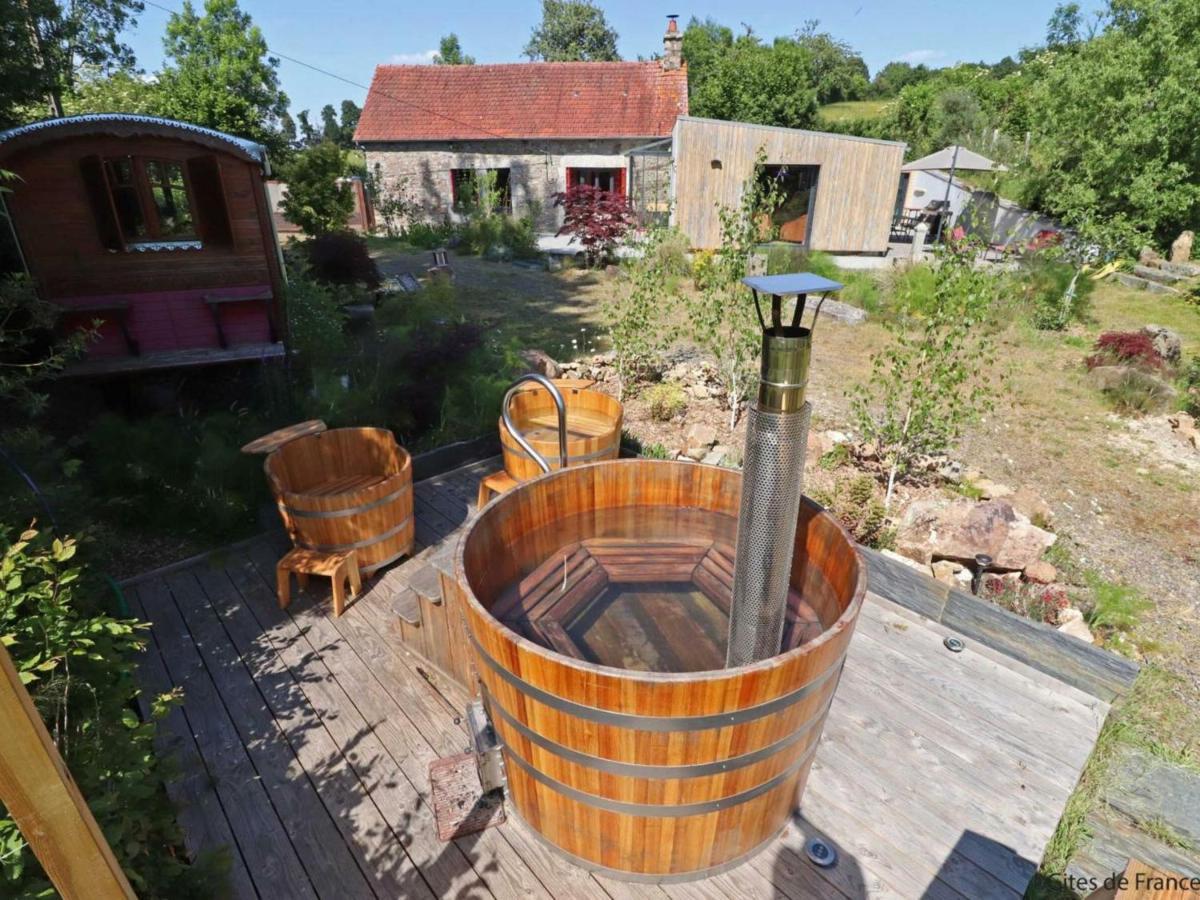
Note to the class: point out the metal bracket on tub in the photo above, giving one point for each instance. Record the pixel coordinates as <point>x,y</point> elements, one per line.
<point>486,745</point>
<point>559,405</point>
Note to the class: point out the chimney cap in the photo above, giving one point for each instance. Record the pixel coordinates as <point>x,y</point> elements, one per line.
<point>672,25</point>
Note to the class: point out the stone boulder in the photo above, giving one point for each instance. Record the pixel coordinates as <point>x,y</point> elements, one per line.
<point>1183,425</point>
<point>961,529</point>
<point>541,362</point>
<point>1040,572</point>
<point>1029,503</point>
<point>1181,247</point>
<point>1168,344</point>
<point>1070,621</point>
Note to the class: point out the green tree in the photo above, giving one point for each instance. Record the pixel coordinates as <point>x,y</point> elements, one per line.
<point>450,53</point>
<point>1115,151</point>
<point>315,198</point>
<point>571,31</point>
<point>924,387</point>
<point>754,82</point>
<point>46,44</point>
<point>121,91</point>
<point>219,74</point>
<point>331,129</point>
<point>721,311</point>
<point>1065,28</point>
<point>308,134</point>
<point>703,44</point>
<point>838,70</point>
<point>896,76</point>
<point>351,112</point>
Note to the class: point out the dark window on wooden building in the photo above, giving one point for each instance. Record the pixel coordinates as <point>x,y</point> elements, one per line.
<point>797,186</point>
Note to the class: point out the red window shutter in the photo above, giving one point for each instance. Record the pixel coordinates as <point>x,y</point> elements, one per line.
<point>208,195</point>
<point>100,197</point>
<point>621,182</point>
<point>570,177</point>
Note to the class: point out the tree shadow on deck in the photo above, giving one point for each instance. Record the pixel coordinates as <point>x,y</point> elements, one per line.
<point>317,747</point>
<point>981,867</point>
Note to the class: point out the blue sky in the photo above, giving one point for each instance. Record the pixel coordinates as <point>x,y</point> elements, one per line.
<point>350,38</point>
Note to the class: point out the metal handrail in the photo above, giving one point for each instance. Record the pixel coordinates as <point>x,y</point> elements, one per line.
<point>562,419</point>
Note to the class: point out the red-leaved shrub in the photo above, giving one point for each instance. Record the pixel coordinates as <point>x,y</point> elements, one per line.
<point>598,219</point>
<point>341,257</point>
<point>1131,348</point>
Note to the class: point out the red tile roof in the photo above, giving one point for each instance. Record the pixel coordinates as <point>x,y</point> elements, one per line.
<point>523,100</point>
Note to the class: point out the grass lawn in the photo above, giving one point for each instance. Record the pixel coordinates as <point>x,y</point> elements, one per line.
<point>853,109</point>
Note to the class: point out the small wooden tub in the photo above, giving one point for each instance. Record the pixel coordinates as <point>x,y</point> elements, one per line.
<point>346,489</point>
<point>593,427</point>
<point>649,775</point>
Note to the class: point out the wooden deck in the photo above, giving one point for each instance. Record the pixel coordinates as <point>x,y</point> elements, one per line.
<point>304,743</point>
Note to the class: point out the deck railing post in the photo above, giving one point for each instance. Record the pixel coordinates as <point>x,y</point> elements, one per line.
<point>42,798</point>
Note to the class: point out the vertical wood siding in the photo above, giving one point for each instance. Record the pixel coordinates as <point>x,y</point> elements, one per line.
<point>856,185</point>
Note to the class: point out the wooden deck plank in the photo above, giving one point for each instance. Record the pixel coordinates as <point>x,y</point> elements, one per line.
<point>323,852</point>
<point>399,674</point>
<point>378,849</point>
<point>407,719</point>
<point>202,820</point>
<point>261,837</point>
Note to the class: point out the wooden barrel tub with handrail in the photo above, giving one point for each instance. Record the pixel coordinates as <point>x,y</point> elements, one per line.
<point>653,776</point>
<point>346,489</point>
<point>593,427</point>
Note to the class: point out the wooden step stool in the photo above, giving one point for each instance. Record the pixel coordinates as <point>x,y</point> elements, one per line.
<point>496,483</point>
<point>338,567</point>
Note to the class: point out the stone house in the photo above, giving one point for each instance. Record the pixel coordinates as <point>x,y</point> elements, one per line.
<point>537,126</point>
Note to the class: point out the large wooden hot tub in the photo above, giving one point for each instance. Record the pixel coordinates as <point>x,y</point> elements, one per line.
<point>648,775</point>
<point>593,427</point>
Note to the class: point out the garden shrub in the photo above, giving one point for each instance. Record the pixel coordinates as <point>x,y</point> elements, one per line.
<point>1138,393</point>
<point>596,218</point>
<point>1055,293</point>
<point>427,235</point>
<point>671,253</point>
<point>656,451</point>
<point>341,257</point>
<point>1190,382</point>
<point>666,401</point>
<point>78,664</point>
<point>316,315</point>
<point>180,474</point>
<point>1126,348</point>
<point>855,503</point>
<point>316,198</point>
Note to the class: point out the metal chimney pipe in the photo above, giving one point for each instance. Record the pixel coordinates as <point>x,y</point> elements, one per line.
<point>773,470</point>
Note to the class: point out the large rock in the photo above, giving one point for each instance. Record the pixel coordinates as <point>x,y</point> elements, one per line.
<point>541,362</point>
<point>961,529</point>
<point>1184,426</point>
<point>1168,344</point>
<point>1029,503</point>
<point>701,435</point>
<point>1071,622</point>
<point>1181,247</point>
<point>1040,572</point>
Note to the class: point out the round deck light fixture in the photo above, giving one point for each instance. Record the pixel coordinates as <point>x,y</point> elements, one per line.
<point>820,854</point>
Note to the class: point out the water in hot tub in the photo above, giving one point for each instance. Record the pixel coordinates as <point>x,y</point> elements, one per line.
<point>642,588</point>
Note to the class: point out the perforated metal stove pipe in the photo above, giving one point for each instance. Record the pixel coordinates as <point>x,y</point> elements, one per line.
<point>772,472</point>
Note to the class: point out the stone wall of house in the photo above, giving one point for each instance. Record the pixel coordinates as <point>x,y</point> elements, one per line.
<point>537,170</point>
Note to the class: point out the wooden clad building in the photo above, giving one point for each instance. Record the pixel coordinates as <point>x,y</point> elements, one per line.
<point>839,191</point>
<point>159,229</point>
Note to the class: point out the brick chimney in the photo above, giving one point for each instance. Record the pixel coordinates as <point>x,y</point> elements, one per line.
<point>672,57</point>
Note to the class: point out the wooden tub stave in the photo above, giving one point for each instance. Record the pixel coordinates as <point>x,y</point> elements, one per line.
<point>346,489</point>
<point>653,776</point>
<point>593,428</point>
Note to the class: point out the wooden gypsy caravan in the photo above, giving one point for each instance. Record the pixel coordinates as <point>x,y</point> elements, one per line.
<point>159,229</point>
